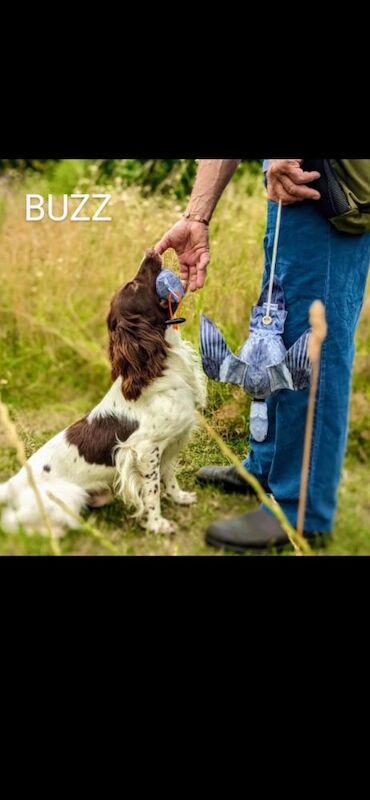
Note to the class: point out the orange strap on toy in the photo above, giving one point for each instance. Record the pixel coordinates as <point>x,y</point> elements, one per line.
<point>170,290</point>
<point>175,321</point>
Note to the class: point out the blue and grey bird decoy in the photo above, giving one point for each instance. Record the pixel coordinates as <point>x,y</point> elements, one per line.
<point>170,289</point>
<point>168,283</point>
<point>263,366</point>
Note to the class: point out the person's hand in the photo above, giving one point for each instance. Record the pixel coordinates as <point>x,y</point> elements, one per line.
<point>286,181</point>
<point>190,241</point>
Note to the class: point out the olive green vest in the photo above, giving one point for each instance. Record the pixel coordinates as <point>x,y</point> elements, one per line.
<point>353,175</point>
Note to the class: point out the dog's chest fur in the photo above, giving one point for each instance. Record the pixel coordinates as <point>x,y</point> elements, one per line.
<point>165,411</point>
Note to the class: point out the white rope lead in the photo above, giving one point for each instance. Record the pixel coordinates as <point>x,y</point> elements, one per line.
<point>267,319</point>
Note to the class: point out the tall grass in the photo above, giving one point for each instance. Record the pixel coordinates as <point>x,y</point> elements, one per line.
<point>57,280</point>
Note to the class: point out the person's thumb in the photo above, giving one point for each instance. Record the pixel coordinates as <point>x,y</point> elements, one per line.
<point>163,245</point>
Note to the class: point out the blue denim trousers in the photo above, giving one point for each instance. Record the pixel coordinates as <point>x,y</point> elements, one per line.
<point>315,262</point>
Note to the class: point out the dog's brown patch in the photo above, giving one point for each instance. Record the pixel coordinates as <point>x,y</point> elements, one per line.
<point>95,440</point>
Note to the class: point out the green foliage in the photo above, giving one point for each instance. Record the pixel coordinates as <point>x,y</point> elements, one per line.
<point>21,165</point>
<point>64,175</point>
<point>172,176</point>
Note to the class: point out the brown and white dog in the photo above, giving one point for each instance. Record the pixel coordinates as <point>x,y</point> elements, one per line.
<point>130,442</point>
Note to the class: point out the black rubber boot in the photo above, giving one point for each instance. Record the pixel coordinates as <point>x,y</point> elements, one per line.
<point>256,530</point>
<point>226,478</point>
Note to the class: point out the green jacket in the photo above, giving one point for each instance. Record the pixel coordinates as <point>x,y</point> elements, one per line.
<point>353,175</point>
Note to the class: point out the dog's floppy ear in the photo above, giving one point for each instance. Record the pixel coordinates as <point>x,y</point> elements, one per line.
<point>111,321</point>
<point>137,351</point>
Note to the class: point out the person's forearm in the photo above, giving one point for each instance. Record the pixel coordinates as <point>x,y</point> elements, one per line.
<point>212,178</point>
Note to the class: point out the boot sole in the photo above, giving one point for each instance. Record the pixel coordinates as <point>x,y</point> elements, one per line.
<point>225,487</point>
<point>239,549</point>
<point>313,543</point>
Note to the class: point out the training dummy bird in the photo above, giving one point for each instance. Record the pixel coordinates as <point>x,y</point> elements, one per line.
<point>171,292</point>
<point>263,366</point>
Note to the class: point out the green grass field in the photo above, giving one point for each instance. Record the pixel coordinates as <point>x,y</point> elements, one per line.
<point>56,285</point>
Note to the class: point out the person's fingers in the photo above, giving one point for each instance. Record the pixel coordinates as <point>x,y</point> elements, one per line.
<point>288,200</point>
<point>292,168</point>
<point>299,176</point>
<point>288,166</point>
<point>283,165</point>
<point>299,192</point>
<point>164,244</point>
<point>276,192</point>
<point>184,274</point>
<point>193,278</point>
<point>202,270</point>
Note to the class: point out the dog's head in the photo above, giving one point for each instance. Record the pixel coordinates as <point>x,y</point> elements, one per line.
<point>137,327</point>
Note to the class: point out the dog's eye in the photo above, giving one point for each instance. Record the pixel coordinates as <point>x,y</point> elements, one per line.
<point>112,324</point>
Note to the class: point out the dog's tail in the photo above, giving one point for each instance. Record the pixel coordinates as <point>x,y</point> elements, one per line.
<point>24,510</point>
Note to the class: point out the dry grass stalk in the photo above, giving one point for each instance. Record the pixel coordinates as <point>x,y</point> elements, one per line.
<point>317,337</point>
<point>299,543</point>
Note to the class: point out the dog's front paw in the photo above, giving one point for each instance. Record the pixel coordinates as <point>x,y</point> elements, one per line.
<point>162,526</point>
<point>185,498</point>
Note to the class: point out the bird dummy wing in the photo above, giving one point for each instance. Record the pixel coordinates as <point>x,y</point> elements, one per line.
<point>280,378</point>
<point>298,362</point>
<point>218,361</point>
<point>294,373</point>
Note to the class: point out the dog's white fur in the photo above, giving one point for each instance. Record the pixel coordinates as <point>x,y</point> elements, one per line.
<point>166,415</point>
